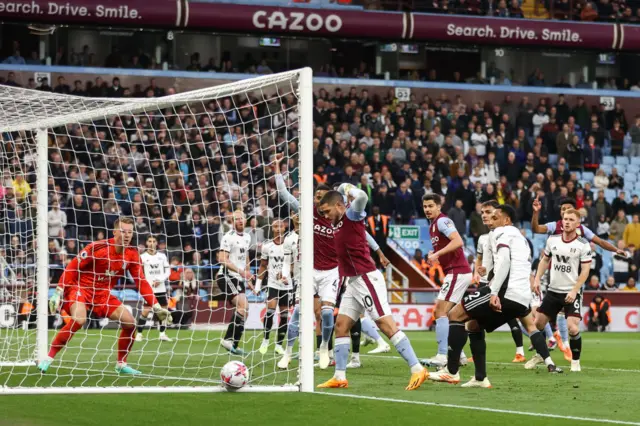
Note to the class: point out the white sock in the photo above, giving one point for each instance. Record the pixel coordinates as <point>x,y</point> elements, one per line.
<point>265,341</point>
<point>289,350</point>
<point>462,355</point>
<point>416,368</point>
<point>548,361</point>
<point>355,357</point>
<point>565,343</point>
<point>381,342</point>
<point>324,345</point>
<point>520,350</point>
<point>340,375</point>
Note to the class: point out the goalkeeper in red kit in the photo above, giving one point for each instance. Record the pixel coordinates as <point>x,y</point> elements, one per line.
<point>86,286</point>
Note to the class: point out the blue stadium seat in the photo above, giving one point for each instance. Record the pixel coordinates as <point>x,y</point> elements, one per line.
<point>622,168</point>
<point>633,168</point>
<point>588,176</point>
<point>204,295</point>
<point>610,195</point>
<point>638,186</point>
<point>553,159</point>
<point>622,160</point>
<point>635,161</point>
<point>629,186</point>
<point>630,177</point>
<point>608,160</point>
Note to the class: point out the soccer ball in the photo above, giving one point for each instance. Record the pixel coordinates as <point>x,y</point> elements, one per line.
<point>234,375</point>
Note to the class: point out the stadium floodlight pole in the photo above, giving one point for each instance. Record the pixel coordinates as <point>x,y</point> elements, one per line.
<point>305,142</point>
<point>42,245</point>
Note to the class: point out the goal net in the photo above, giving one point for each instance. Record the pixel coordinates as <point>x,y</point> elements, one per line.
<point>180,166</point>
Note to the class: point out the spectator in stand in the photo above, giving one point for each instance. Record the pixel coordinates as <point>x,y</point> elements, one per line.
<point>563,139</point>
<point>592,154</point>
<point>378,227</point>
<point>62,87</point>
<point>634,133</point>
<point>459,217</point>
<point>15,59</point>
<point>631,235</point>
<point>601,181</point>
<point>619,203</point>
<point>21,187</point>
<point>420,262</point>
<point>616,135</point>
<point>618,225</point>
<point>404,205</point>
<point>603,207</point>
<point>615,180</point>
<point>599,316</point>
<point>57,221</point>
<point>539,119</point>
<point>631,285</point>
<point>634,207</point>
<point>622,264</point>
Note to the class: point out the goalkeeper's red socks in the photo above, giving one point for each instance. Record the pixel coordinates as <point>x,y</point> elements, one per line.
<point>64,335</point>
<point>125,342</point>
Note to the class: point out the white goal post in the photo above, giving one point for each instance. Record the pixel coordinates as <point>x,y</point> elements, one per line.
<point>215,149</point>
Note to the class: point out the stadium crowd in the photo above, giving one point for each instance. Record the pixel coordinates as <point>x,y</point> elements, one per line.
<point>182,172</point>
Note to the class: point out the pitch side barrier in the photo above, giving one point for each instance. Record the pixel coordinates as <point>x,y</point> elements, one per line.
<point>319,22</point>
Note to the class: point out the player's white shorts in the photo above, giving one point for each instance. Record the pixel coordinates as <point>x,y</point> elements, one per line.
<point>325,284</point>
<point>365,293</point>
<point>454,287</point>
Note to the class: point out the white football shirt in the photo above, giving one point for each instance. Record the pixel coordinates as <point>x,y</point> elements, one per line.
<point>512,265</point>
<point>292,249</point>
<point>237,245</point>
<point>566,257</point>
<point>156,268</point>
<point>484,248</point>
<point>274,254</point>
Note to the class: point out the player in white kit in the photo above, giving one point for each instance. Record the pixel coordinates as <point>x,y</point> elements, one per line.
<point>366,289</point>
<point>484,272</point>
<point>233,275</point>
<point>156,271</point>
<point>280,289</point>
<point>570,258</point>
<point>291,273</point>
<point>507,297</point>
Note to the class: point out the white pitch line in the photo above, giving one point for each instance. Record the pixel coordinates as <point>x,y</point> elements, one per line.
<point>140,376</point>
<point>617,370</point>
<point>490,410</point>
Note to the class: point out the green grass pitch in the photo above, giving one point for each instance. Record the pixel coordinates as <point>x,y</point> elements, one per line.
<point>606,391</point>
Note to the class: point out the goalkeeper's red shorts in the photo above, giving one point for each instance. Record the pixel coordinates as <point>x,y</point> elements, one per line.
<point>101,302</point>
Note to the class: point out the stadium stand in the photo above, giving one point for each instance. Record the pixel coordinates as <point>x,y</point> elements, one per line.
<point>397,151</point>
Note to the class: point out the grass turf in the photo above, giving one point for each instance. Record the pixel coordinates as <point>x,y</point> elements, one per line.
<point>604,390</point>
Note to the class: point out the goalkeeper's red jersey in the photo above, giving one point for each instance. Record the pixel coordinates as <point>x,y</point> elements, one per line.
<point>99,268</point>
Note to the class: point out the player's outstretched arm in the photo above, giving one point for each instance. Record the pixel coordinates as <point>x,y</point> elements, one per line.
<point>373,245</point>
<point>281,186</point>
<point>536,228</point>
<point>607,245</point>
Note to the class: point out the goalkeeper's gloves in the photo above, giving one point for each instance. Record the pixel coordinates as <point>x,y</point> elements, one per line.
<point>162,313</point>
<point>56,300</point>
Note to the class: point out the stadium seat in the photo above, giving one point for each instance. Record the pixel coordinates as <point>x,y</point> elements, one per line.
<point>610,195</point>
<point>553,159</point>
<point>587,176</point>
<point>635,161</point>
<point>622,160</point>
<point>622,168</point>
<point>630,177</point>
<point>629,185</point>
<point>608,160</point>
<point>633,168</point>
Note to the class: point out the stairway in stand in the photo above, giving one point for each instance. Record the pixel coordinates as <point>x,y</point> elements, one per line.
<point>529,10</point>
